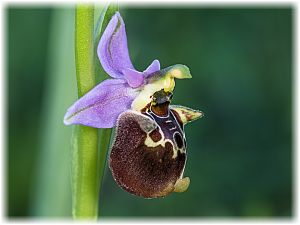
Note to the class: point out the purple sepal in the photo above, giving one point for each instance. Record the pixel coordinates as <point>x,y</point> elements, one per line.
<point>112,49</point>
<point>114,57</point>
<point>101,106</point>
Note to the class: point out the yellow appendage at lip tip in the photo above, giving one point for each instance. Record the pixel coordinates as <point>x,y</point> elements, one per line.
<point>182,185</point>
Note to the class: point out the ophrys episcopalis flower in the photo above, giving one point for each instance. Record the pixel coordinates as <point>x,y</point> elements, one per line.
<point>148,154</point>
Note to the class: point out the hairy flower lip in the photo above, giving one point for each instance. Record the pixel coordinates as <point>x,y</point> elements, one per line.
<point>152,172</point>
<point>152,161</point>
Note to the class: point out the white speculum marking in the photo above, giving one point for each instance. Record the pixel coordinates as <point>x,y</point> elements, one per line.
<point>152,144</point>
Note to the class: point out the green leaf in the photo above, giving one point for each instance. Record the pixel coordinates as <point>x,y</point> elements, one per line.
<point>51,191</point>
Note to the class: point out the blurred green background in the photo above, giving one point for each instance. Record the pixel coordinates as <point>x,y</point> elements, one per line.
<point>239,154</point>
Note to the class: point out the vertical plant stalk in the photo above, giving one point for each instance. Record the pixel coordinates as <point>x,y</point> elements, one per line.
<point>85,179</point>
<point>89,147</point>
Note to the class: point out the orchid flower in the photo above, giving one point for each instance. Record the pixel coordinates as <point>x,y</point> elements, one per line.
<point>150,133</point>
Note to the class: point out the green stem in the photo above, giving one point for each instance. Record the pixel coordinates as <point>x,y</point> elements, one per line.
<point>88,164</point>
<point>84,48</point>
<point>85,179</point>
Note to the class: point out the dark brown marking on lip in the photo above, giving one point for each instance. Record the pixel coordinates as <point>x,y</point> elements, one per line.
<point>155,135</point>
<point>178,140</point>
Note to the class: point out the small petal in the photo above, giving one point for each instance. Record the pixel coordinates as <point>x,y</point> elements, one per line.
<point>101,106</point>
<point>186,114</point>
<point>112,49</point>
<point>154,67</point>
<point>134,78</point>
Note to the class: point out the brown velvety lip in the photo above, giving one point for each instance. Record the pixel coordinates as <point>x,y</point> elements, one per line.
<point>145,171</point>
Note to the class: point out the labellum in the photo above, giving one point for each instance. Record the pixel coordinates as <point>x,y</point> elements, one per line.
<point>149,151</point>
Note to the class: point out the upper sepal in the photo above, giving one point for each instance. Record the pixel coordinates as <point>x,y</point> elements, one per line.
<point>114,56</point>
<point>113,50</point>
